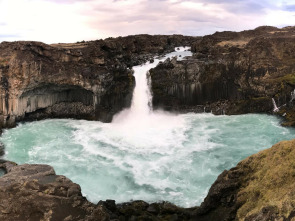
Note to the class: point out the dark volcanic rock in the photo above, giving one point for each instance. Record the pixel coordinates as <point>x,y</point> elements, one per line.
<point>261,187</point>
<point>230,73</point>
<point>2,152</point>
<point>35,192</point>
<point>89,80</point>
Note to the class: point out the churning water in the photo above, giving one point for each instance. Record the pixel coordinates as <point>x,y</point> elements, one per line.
<point>143,154</point>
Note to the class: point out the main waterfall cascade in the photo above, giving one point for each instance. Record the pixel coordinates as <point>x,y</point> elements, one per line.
<point>142,154</point>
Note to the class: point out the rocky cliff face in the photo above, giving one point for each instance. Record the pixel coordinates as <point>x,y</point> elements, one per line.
<point>230,73</point>
<point>89,80</point>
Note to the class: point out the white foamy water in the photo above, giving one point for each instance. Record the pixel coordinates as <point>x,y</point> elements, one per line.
<point>145,155</point>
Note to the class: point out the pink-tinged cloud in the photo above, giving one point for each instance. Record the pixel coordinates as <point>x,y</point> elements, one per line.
<point>75,20</point>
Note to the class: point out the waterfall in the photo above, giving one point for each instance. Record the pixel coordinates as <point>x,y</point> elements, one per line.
<point>144,154</point>
<point>275,108</point>
<point>141,109</point>
<point>292,95</point>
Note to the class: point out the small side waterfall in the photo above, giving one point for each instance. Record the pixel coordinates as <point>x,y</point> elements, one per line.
<point>292,95</point>
<point>144,154</point>
<point>275,108</point>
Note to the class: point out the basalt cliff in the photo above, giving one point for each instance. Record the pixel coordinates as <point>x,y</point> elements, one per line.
<point>86,80</point>
<point>231,73</point>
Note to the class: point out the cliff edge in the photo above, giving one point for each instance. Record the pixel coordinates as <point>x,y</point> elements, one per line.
<point>231,73</point>
<point>87,80</point>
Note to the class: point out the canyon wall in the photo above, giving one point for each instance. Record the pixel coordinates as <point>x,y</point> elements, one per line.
<point>231,73</point>
<point>86,80</point>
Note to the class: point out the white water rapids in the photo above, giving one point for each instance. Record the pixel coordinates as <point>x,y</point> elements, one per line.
<point>143,154</point>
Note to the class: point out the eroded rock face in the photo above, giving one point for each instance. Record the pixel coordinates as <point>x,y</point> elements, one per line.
<point>36,78</point>
<point>35,192</point>
<point>89,80</point>
<point>231,73</point>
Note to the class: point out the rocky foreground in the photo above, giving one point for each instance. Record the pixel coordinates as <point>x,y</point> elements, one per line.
<point>229,73</point>
<point>261,187</point>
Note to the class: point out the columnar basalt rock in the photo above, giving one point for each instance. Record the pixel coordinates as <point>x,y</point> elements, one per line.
<point>35,76</point>
<point>89,80</point>
<point>231,73</point>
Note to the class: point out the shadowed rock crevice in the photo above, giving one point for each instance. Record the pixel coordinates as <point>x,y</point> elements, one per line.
<point>52,100</point>
<point>87,80</point>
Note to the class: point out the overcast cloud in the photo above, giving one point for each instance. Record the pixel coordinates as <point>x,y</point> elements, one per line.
<point>54,21</point>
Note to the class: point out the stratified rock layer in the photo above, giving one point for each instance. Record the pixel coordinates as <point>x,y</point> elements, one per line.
<point>89,80</point>
<point>231,73</point>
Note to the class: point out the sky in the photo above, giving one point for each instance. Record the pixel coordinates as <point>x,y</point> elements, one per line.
<point>54,21</point>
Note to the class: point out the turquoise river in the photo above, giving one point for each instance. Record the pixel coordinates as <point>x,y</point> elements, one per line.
<point>144,154</point>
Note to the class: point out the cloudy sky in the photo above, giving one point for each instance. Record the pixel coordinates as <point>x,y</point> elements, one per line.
<point>53,21</point>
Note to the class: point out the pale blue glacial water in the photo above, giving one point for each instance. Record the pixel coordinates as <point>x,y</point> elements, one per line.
<point>142,154</point>
<point>177,162</point>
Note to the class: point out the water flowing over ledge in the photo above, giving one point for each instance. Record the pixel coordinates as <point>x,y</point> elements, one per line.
<point>144,154</point>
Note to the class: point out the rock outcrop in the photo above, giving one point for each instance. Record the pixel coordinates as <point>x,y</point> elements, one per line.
<point>88,80</point>
<point>261,187</point>
<point>34,192</point>
<point>231,73</point>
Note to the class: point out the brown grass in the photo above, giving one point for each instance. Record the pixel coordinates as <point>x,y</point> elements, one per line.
<point>236,43</point>
<point>271,181</point>
<point>70,45</point>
